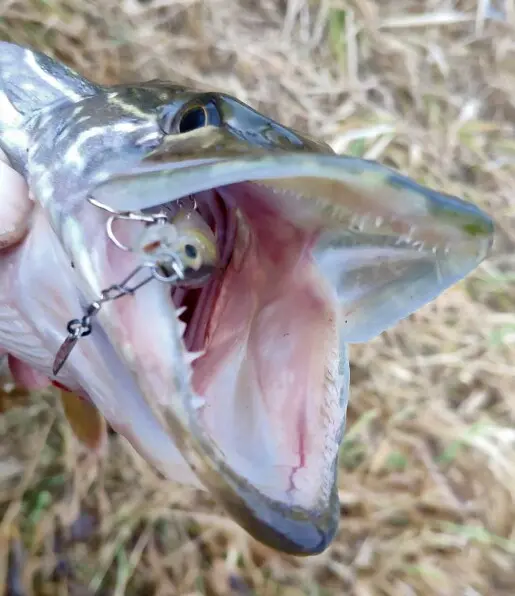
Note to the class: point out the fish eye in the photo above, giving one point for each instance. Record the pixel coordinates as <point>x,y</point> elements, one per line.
<point>193,115</point>
<point>198,115</point>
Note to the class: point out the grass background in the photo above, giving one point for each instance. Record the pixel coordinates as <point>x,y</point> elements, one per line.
<point>427,481</point>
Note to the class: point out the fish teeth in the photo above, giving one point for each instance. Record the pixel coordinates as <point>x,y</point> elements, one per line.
<point>409,235</point>
<point>198,402</point>
<point>182,327</point>
<point>192,356</point>
<point>181,324</point>
<point>180,311</point>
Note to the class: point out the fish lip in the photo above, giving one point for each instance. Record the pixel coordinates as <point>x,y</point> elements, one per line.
<point>293,530</point>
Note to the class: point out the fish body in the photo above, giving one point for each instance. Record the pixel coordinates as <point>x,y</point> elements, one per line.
<point>238,384</point>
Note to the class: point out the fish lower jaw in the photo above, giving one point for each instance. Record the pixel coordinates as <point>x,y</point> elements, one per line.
<point>248,376</point>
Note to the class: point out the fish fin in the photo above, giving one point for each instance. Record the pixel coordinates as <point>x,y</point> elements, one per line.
<point>31,80</point>
<point>86,422</point>
<point>378,285</point>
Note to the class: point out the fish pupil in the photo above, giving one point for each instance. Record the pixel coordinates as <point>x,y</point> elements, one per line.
<point>193,119</point>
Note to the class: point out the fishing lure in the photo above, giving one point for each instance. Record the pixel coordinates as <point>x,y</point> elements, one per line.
<point>178,249</point>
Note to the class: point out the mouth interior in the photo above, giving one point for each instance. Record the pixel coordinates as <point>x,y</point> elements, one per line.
<point>304,264</point>
<point>266,326</point>
<point>247,376</point>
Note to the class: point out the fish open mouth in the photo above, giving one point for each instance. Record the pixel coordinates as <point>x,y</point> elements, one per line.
<point>239,385</point>
<point>248,374</point>
<point>258,360</point>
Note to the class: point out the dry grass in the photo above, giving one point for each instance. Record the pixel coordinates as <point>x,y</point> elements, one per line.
<point>428,464</point>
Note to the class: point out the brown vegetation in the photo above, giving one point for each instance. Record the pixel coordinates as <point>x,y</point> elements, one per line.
<point>428,463</point>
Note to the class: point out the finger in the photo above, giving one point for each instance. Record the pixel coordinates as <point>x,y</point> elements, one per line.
<point>15,204</point>
<point>26,376</point>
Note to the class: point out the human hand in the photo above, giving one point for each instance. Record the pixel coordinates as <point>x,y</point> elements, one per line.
<point>15,204</point>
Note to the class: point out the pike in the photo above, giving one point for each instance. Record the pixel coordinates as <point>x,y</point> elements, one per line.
<point>235,381</point>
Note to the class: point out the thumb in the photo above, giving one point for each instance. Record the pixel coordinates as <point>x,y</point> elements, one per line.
<point>15,204</point>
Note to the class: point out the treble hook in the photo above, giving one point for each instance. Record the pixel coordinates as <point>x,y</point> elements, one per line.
<point>158,267</point>
<point>149,219</point>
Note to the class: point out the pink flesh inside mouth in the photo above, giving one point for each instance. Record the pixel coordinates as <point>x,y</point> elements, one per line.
<point>267,326</point>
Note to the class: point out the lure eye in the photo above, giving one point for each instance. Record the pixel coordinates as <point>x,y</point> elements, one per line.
<point>195,251</point>
<point>197,248</point>
<point>186,242</point>
<point>190,251</point>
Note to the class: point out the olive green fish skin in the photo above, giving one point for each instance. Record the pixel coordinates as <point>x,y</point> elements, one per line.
<point>444,206</point>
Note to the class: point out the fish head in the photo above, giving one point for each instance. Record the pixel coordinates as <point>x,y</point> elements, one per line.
<point>240,383</point>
